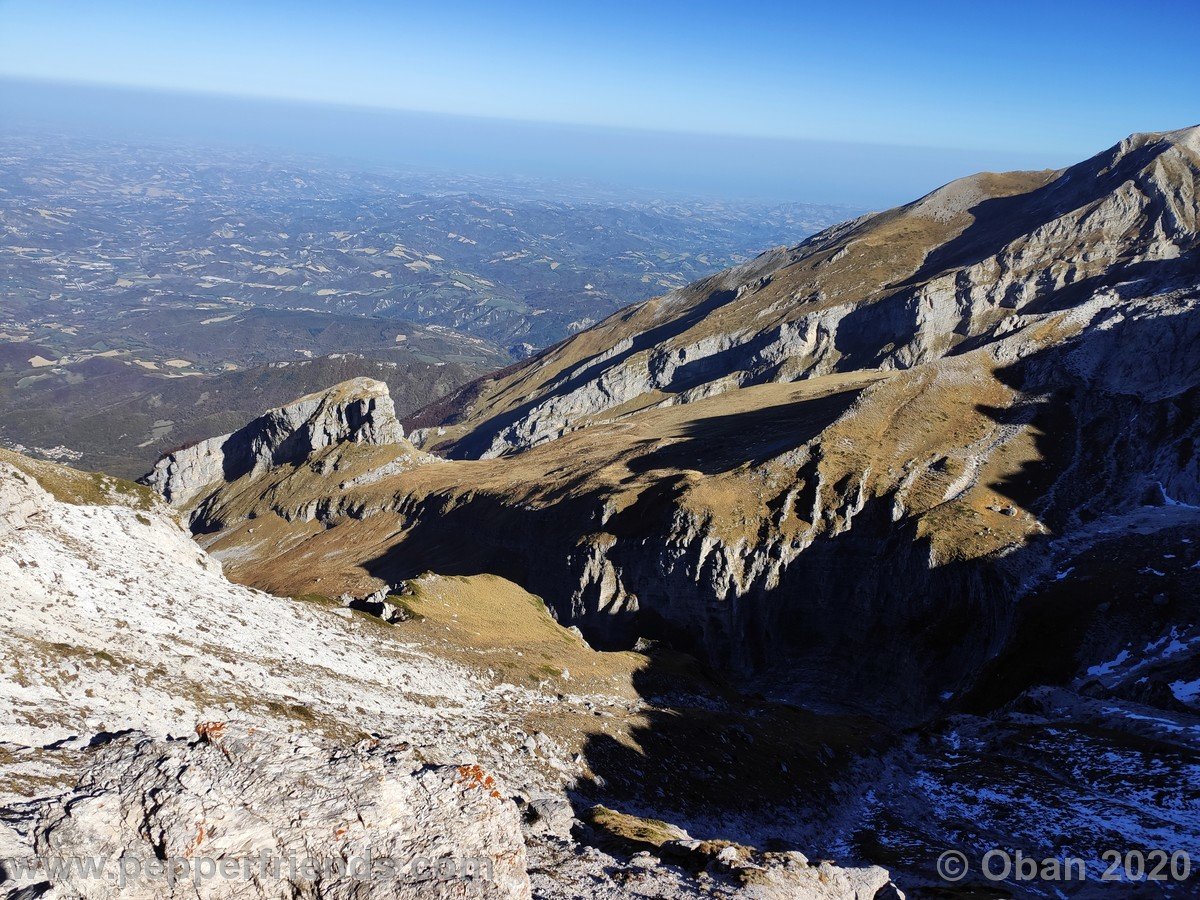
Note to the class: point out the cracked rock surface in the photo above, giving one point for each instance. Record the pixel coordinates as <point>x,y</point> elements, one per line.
<point>290,815</point>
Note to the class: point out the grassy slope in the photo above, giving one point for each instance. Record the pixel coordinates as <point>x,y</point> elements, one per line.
<point>84,488</point>
<point>865,260</point>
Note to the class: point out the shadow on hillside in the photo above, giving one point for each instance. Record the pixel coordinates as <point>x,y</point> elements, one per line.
<point>589,369</point>
<point>1116,448</point>
<point>1052,422</point>
<point>723,764</point>
<point>863,614</point>
<point>856,644</point>
<point>1000,220</point>
<point>722,443</point>
<point>875,643</point>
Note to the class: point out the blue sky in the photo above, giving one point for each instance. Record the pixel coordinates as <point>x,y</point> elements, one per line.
<point>1050,82</point>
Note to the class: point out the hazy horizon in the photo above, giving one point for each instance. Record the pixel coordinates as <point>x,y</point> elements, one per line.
<point>863,104</point>
<point>857,175</point>
<point>1030,79</point>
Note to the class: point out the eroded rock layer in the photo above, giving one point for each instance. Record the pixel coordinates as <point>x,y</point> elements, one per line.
<point>881,436</point>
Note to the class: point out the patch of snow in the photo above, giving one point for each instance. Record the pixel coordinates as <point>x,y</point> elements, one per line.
<point>1170,501</point>
<point>1186,691</point>
<point>1105,668</point>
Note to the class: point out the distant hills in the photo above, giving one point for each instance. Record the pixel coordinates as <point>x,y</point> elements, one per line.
<point>107,415</point>
<point>139,227</point>
<point>134,278</point>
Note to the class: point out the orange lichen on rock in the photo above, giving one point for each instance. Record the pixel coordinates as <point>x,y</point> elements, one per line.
<point>475,777</point>
<point>195,842</point>
<point>210,731</point>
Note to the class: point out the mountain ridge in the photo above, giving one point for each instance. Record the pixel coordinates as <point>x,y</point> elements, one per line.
<point>934,469</point>
<point>977,327</point>
<point>806,317</point>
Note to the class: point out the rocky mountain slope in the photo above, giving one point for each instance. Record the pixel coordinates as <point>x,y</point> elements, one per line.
<point>936,462</point>
<point>161,720</point>
<point>965,436</point>
<point>975,261</point>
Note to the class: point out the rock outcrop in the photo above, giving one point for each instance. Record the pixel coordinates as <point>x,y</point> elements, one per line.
<point>243,812</point>
<point>359,411</point>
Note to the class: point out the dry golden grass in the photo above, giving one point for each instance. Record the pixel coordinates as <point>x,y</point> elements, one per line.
<point>863,264</point>
<point>83,488</point>
<point>728,458</point>
<point>632,833</point>
<point>490,624</point>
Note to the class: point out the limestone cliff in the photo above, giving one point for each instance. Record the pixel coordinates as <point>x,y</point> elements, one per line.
<point>358,411</point>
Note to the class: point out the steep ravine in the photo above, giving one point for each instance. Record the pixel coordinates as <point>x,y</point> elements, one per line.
<point>864,582</point>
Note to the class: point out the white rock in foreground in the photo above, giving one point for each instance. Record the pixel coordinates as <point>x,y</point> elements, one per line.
<point>122,635</point>
<point>120,632</point>
<point>115,620</point>
<point>244,813</point>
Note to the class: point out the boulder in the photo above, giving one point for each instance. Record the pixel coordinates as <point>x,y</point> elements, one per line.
<point>243,812</point>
